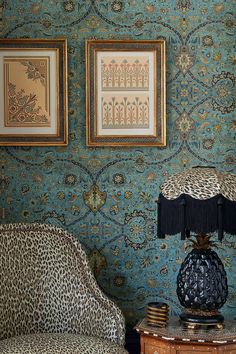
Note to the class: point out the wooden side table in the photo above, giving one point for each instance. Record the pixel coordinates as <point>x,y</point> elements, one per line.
<point>174,339</point>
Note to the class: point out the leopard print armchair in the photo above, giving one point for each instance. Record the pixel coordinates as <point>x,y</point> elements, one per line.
<point>49,299</point>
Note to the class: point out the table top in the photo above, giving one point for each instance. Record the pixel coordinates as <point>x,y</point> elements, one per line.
<point>174,331</point>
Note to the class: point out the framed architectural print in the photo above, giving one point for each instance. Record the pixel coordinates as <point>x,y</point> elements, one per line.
<point>125,95</point>
<point>33,92</point>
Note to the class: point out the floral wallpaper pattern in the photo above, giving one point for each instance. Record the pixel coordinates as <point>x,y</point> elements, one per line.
<point>106,196</point>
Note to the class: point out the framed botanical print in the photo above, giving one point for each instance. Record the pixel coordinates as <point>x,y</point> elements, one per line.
<point>33,92</point>
<point>125,94</point>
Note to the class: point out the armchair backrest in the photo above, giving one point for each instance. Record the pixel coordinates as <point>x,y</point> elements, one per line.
<point>47,286</point>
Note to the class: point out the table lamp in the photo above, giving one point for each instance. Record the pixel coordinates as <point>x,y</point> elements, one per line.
<point>199,200</point>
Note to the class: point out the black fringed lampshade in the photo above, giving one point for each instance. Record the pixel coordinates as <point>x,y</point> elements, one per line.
<point>200,200</point>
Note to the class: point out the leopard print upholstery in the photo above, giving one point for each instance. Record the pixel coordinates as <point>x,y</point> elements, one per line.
<point>58,344</point>
<point>47,287</point>
<point>200,183</point>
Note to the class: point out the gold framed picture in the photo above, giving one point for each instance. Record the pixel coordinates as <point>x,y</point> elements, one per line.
<point>33,92</point>
<point>125,93</point>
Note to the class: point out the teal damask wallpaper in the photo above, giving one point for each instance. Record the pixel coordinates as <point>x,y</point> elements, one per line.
<point>106,196</point>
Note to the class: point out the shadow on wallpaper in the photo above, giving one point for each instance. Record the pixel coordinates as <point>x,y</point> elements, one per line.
<point>104,196</point>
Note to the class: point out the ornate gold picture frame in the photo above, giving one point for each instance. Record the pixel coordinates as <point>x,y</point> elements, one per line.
<point>33,92</point>
<point>125,93</point>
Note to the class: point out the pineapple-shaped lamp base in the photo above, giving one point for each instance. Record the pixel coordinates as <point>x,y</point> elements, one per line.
<point>202,284</point>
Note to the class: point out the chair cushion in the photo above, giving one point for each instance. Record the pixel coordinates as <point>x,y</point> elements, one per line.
<point>58,343</point>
